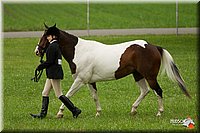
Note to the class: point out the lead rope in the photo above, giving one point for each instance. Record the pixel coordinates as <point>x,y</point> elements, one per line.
<point>38,73</point>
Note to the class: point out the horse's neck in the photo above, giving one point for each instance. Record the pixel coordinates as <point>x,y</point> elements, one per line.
<point>67,44</point>
<point>71,45</point>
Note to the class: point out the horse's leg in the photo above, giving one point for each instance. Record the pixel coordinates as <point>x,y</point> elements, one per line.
<point>158,91</point>
<point>160,105</point>
<point>93,90</point>
<point>143,92</point>
<point>74,88</point>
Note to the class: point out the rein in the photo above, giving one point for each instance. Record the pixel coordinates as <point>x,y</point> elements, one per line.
<point>38,73</point>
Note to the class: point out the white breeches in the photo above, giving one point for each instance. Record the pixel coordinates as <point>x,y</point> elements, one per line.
<point>52,83</point>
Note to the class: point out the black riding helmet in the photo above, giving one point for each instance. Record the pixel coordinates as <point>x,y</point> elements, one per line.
<point>53,31</point>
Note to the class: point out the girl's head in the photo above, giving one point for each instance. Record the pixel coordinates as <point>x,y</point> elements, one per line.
<point>52,33</point>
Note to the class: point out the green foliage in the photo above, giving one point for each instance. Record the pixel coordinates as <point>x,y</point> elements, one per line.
<point>26,17</point>
<point>22,96</point>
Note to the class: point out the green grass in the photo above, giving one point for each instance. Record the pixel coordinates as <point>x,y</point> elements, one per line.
<point>22,96</point>
<point>25,17</point>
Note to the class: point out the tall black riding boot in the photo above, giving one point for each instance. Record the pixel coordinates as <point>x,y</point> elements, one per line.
<point>75,111</point>
<point>43,113</point>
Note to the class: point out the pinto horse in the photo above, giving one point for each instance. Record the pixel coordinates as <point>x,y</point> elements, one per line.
<point>92,61</point>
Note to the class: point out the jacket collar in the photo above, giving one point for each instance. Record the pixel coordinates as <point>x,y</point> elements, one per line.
<point>53,41</point>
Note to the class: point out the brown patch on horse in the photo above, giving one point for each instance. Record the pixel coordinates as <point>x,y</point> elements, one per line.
<point>160,49</point>
<point>136,59</point>
<point>67,45</point>
<point>127,64</point>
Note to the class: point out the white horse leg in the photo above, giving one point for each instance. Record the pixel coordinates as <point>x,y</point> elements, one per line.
<point>160,105</point>
<point>74,88</point>
<point>143,92</point>
<point>93,90</point>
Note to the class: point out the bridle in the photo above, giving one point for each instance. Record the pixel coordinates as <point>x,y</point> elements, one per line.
<point>38,73</point>
<point>41,49</point>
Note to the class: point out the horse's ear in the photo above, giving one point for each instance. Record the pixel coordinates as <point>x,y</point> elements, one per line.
<point>47,27</point>
<point>54,25</point>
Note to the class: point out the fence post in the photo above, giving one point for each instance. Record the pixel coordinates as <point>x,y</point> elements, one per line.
<point>88,17</point>
<point>176,17</point>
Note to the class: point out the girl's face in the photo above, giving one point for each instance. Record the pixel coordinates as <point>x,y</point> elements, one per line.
<point>49,38</point>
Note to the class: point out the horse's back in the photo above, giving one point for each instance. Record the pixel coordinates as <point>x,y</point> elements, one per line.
<point>104,60</point>
<point>101,62</point>
<point>109,55</point>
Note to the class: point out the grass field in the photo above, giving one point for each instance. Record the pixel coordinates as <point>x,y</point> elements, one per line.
<point>22,96</point>
<point>26,17</point>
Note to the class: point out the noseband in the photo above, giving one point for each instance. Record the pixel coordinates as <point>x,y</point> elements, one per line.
<point>41,49</point>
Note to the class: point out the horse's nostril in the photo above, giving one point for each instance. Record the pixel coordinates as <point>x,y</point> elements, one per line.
<point>37,53</point>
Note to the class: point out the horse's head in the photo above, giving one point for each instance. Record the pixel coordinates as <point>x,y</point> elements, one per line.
<point>43,42</point>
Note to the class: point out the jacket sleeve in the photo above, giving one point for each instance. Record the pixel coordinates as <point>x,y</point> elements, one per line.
<point>50,58</point>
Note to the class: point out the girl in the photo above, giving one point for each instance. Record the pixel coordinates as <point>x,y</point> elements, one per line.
<point>54,72</point>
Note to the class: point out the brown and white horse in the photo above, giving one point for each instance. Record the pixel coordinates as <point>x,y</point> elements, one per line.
<point>92,61</point>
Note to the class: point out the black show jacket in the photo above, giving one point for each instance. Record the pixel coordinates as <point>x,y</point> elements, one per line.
<point>53,63</point>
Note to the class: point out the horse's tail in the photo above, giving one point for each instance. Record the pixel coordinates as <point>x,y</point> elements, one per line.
<point>171,69</point>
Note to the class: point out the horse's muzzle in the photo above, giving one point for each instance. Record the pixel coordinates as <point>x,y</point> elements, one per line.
<point>37,51</point>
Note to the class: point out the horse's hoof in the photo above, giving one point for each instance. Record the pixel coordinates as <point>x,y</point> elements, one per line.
<point>59,116</point>
<point>97,114</point>
<point>158,114</point>
<point>160,111</point>
<point>133,113</point>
